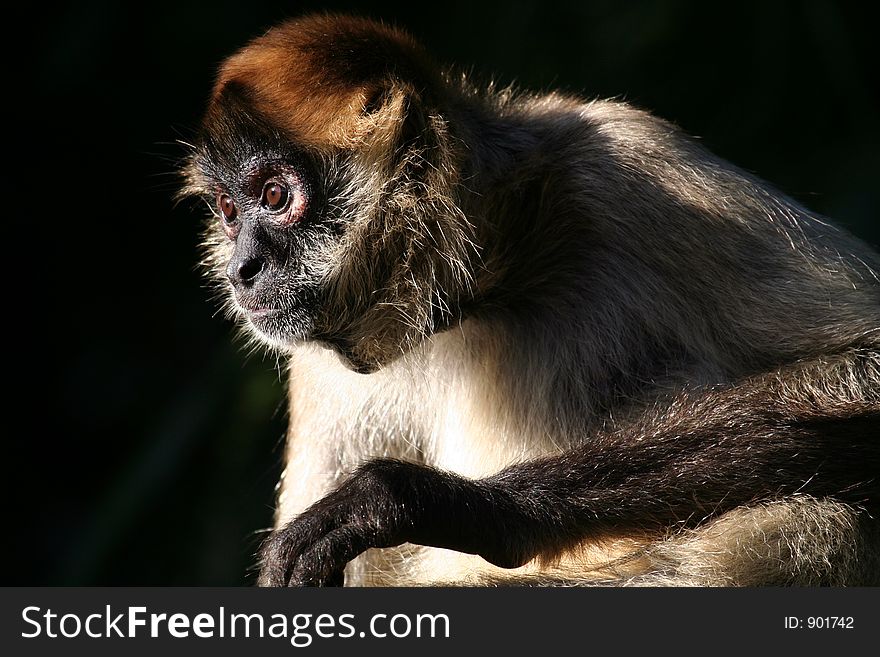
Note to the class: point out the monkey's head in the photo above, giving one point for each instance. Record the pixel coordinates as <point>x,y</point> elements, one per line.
<point>331,167</point>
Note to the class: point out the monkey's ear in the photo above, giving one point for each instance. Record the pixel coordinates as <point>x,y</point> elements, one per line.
<point>380,116</point>
<point>397,115</point>
<point>376,99</point>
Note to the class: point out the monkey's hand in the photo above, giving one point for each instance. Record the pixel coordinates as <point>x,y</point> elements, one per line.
<point>386,503</point>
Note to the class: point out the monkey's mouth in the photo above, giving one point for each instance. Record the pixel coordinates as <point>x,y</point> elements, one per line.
<point>257,313</point>
<point>276,326</point>
<point>254,308</point>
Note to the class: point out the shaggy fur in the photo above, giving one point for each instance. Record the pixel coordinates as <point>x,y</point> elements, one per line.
<point>597,352</point>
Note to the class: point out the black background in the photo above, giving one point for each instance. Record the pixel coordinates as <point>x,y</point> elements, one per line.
<point>145,441</point>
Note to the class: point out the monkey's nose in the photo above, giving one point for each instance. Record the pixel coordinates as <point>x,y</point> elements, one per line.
<point>245,271</point>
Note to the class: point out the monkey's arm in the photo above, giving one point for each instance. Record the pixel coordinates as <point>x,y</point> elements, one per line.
<point>810,428</point>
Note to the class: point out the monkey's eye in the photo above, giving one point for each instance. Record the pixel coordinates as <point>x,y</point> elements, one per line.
<point>227,207</point>
<point>275,196</point>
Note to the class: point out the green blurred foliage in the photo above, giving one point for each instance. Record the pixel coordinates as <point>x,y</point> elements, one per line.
<point>151,441</point>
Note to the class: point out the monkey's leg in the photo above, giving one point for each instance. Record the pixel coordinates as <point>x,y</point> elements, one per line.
<point>808,429</point>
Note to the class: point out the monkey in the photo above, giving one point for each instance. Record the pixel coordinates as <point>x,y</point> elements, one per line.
<point>533,339</point>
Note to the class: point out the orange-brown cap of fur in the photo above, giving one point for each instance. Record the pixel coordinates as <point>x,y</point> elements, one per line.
<point>313,77</point>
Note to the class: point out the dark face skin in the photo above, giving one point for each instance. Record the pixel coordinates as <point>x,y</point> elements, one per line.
<point>276,236</point>
<point>265,217</point>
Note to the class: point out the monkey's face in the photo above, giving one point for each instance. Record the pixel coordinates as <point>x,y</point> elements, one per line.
<point>334,191</point>
<point>276,240</point>
<point>271,238</point>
